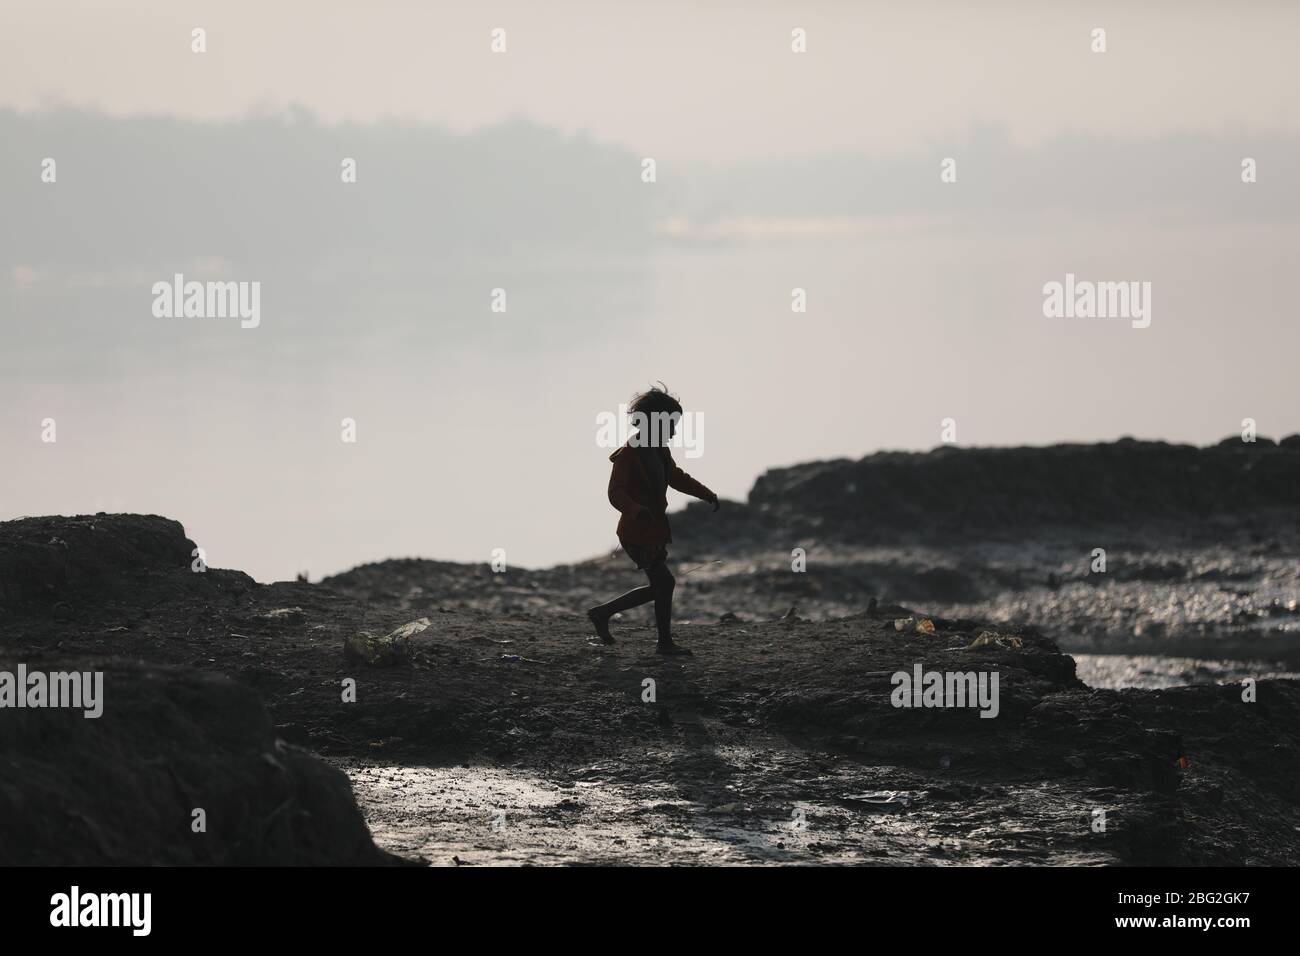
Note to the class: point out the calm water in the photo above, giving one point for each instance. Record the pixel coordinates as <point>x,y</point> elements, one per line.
<point>476,430</point>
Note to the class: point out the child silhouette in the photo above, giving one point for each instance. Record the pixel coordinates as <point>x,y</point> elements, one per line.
<point>643,472</point>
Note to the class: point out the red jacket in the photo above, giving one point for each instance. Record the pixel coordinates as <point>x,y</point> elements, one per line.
<point>632,487</point>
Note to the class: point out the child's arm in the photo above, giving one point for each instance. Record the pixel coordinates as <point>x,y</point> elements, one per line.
<point>685,483</point>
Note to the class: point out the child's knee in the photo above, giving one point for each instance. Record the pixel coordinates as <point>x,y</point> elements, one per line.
<point>661,577</point>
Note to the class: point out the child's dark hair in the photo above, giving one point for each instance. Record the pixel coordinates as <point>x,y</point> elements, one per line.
<point>656,399</point>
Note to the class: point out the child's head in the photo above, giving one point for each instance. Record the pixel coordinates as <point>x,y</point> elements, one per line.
<point>655,414</point>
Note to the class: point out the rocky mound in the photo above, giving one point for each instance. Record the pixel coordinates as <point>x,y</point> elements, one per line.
<point>62,560</point>
<point>124,788</point>
<point>1010,492</point>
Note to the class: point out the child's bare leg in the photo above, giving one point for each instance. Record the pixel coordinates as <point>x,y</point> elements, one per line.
<point>662,583</point>
<point>600,615</point>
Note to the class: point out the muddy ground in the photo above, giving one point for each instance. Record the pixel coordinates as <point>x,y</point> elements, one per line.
<point>501,736</point>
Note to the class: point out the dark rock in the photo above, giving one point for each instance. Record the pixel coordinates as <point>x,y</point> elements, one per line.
<point>949,491</point>
<point>121,789</point>
<point>66,561</point>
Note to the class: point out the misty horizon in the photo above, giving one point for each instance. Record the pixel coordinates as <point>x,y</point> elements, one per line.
<point>923,297</point>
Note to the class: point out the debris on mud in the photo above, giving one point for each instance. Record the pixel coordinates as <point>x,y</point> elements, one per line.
<point>391,649</point>
<point>986,638</point>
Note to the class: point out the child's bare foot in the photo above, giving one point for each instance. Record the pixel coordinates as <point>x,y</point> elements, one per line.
<point>601,623</point>
<point>673,649</point>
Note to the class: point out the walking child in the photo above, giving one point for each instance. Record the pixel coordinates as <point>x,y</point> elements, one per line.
<point>643,472</point>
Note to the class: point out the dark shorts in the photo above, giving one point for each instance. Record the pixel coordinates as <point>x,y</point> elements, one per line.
<point>644,555</point>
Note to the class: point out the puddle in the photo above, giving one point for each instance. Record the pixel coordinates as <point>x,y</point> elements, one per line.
<point>493,816</point>
<point>1114,671</point>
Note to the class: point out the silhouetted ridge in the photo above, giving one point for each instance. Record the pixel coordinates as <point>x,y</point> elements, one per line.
<point>1013,489</point>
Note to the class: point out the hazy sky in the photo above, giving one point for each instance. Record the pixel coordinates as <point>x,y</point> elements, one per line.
<point>521,171</point>
<point>677,79</point>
